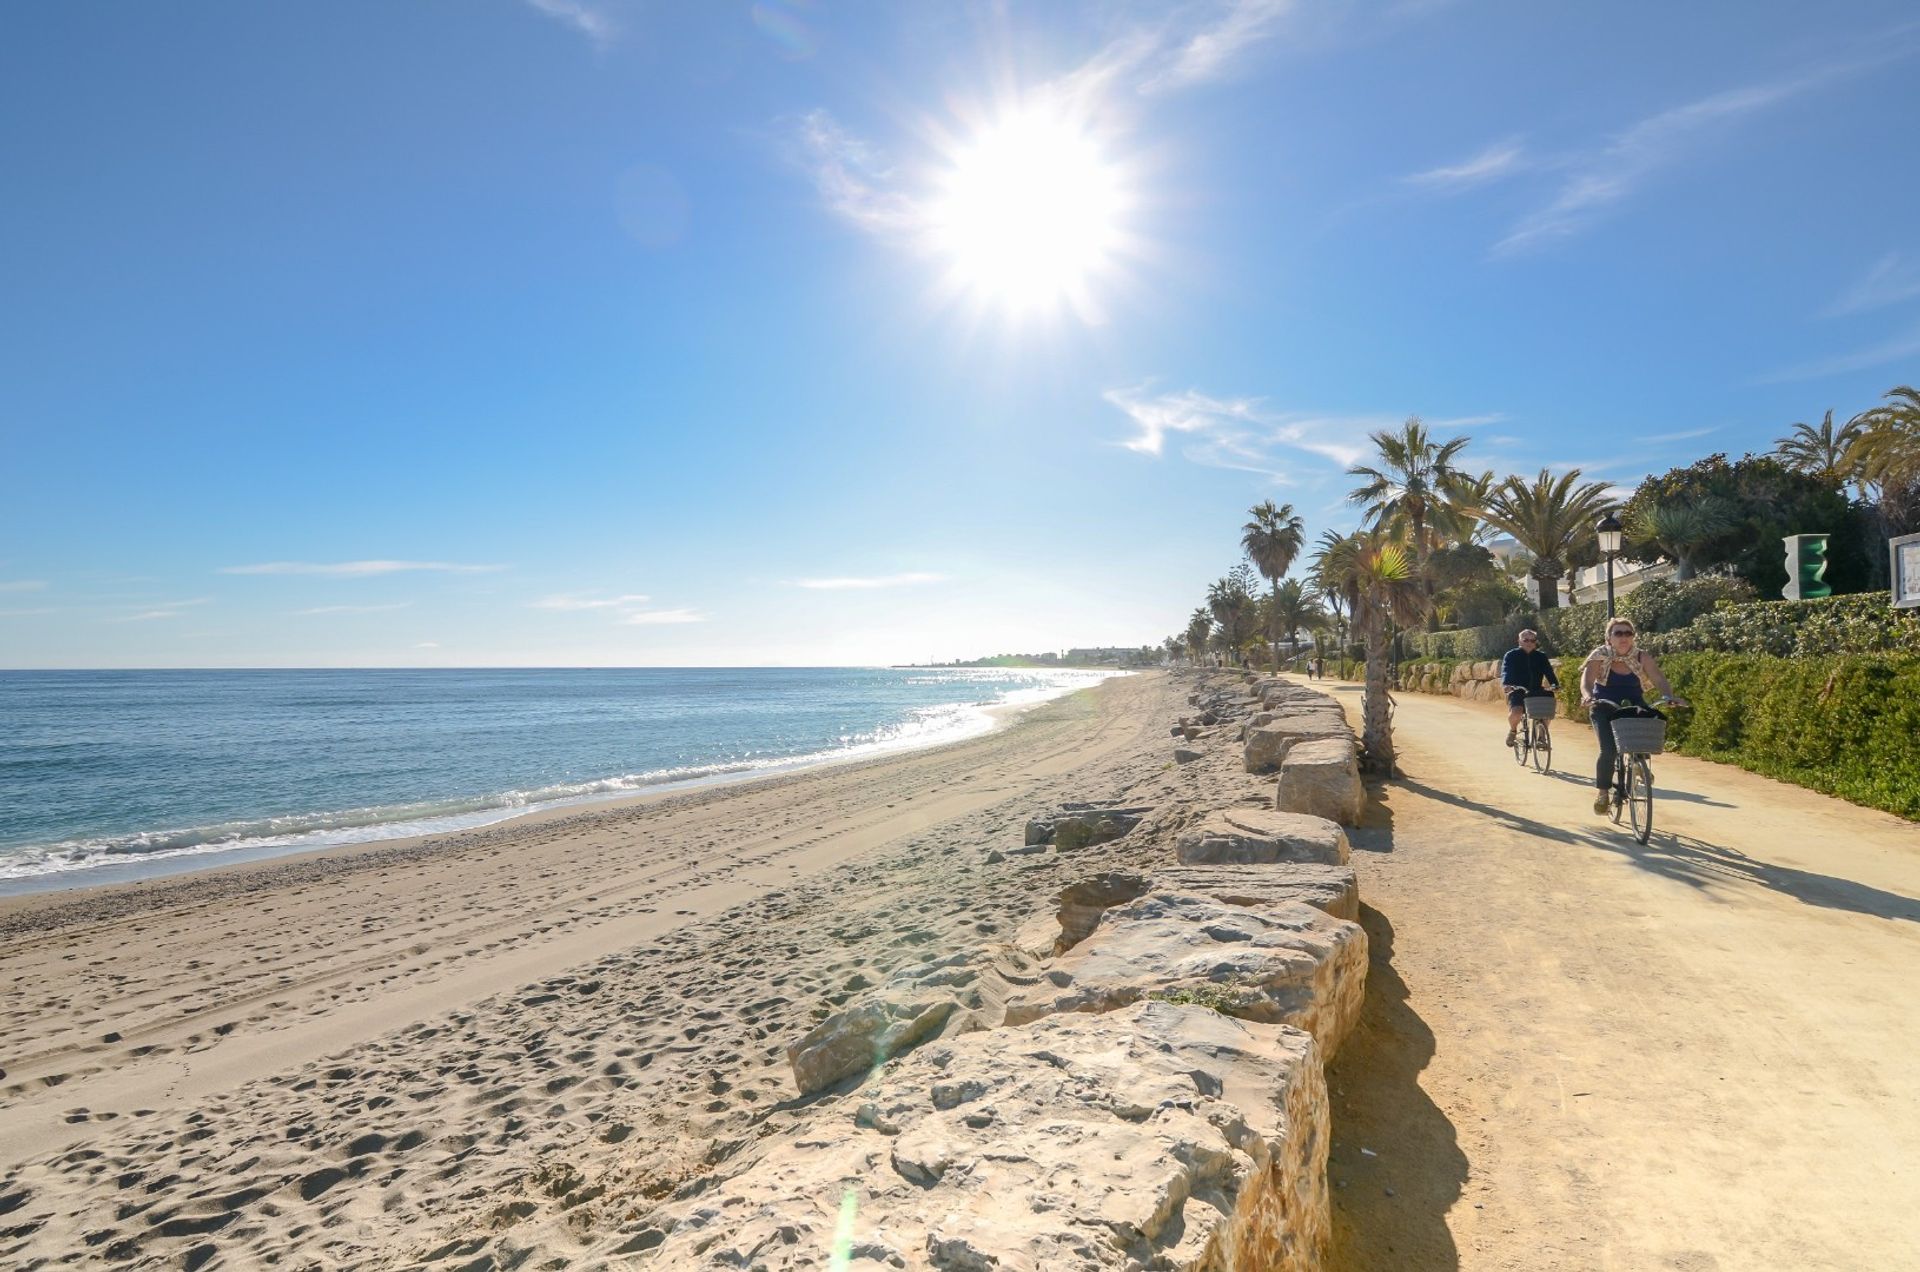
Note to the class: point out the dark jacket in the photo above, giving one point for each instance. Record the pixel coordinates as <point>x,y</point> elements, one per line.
<point>1526,669</point>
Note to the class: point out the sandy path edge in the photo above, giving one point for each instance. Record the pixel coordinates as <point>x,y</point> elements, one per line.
<point>1579,1053</point>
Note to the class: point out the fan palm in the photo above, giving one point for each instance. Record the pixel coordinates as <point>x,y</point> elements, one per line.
<point>1378,576</point>
<point>1551,517</point>
<point>1822,452</point>
<point>1408,485</point>
<point>1272,540</point>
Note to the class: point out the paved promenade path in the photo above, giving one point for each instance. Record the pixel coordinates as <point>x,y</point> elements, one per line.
<point>1579,1052</point>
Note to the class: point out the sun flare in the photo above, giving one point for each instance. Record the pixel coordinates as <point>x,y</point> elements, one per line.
<point>1030,214</point>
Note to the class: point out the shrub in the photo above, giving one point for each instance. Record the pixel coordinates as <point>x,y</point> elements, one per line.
<point>1660,605</point>
<point>1847,725</point>
<point>1470,642</point>
<point>1865,623</point>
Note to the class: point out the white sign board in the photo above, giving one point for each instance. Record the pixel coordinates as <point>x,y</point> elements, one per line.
<point>1906,571</point>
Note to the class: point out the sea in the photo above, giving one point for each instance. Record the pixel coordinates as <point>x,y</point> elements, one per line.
<point>109,776</point>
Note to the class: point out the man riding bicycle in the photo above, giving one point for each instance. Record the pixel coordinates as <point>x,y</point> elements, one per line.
<point>1611,685</point>
<point>1524,672</point>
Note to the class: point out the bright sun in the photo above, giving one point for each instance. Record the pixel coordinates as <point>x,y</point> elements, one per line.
<point>1030,215</point>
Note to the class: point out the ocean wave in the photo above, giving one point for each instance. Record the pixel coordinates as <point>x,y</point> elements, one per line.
<point>276,835</point>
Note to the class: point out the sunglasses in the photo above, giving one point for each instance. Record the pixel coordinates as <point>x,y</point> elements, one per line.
<point>1621,631</point>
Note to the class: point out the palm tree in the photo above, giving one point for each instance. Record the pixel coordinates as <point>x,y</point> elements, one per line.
<point>1325,576</point>
<point>1378,575</point>
<point>1403,494</point>
<point>1199,626</point>
<point>1461,516</point>
<point>1680,530</point>
<point>1822,452</point>
<point>1291,608</point>
<point>1550,517</point>
<point>1272,540</point>
<point>1888,451</point>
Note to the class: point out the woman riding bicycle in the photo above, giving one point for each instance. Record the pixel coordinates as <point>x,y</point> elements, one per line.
<point>1610,686</point>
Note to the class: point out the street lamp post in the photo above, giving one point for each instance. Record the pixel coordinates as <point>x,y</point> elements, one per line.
<point>1608,530</point>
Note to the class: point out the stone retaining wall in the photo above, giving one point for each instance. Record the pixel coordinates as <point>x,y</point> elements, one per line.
<point>1134,1080</point>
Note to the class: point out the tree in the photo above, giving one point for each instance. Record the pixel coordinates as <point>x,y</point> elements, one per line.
<point>1888,449</point>
<point>1763,501</point>
<point>1681,529</point>
<point>1199,627</point>
<point>1230,601</point>
<point>1552,518</point>
<point>1821,452</point>
<point>1377,574</point>
<point>1406,492</point>
<point>1272,540</point>
<point>1460,518</point>
<point>1291,608</point>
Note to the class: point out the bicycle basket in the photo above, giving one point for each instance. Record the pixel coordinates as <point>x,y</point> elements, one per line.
<point>1542,707</point>
<point>1640,736</point>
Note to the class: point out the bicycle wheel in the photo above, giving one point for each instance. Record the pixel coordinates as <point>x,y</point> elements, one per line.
<point>1640,797</point>
<point>1542,748</point>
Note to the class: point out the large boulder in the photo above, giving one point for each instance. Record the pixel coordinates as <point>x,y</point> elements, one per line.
<point>1161,1136</point>
<point>1268,744</point>
<point>1079,906</point>
<point>1261,836</point>
<point>861,1038</point>
<point>1281,964</point>
<point>1321,778</point>
<point>1078,825</point>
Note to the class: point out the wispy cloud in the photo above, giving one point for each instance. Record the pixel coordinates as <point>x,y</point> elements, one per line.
<point>358,569</point>
<point>1891,280</point>
<point>575,602</point>
<point>1684,436</point>
<point>588,19</point>
<point>1501,159</point>
<point>1906,345</point>
<point>23,613</point>
<point>1601,178</point>
<point>351,609</point>
<point>23,585</point>
<point>880,580</point>
<point>854,178</point>
<point>1210,52</point>
<point>428,644</point>
<point>650,618</point>
<point>1242,433</point>
<point>162,610</point>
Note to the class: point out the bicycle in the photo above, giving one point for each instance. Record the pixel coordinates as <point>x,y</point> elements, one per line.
<point>1533,740</point>
<point>1643,736</point>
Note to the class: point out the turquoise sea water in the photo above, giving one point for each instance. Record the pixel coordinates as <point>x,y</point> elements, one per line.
<point>110,775</point>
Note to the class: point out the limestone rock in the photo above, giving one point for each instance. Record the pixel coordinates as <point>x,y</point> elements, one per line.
<point>1280,964</point>
<point>1321,777</point>
<point>1161,1136</point>
<point>1184,755</point>
<point>1074,831</point>
<point>858,1039</point>
<point>1258,836</point>
<point>1079,906</point>
<point>1267,745</point>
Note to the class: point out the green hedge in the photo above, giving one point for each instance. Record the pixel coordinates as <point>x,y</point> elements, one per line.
<point>1848,725</point>
<point>1467,642</point>
<point>1864,623</point>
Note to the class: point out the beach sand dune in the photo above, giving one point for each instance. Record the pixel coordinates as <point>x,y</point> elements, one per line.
<point>506,1044</point>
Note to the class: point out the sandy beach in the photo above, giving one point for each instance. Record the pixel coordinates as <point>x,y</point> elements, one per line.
<point>473,1047</point>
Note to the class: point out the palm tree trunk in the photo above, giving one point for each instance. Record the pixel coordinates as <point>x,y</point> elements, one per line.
<point>1549,590</point>
<point>1376,726</point>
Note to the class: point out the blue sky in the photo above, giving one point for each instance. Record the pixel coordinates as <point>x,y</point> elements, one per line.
<point>581,332</point>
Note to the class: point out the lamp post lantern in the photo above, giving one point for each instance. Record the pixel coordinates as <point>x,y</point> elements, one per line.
<point>1608,530</point>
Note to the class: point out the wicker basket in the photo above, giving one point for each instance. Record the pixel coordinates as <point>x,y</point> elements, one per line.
<point>1541,706</point>
<point>1642,735</point>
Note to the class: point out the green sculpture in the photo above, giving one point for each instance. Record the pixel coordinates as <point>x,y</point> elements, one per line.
<point>1806,568</point>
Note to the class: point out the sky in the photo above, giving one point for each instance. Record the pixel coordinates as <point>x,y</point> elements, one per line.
<point>586,332</point>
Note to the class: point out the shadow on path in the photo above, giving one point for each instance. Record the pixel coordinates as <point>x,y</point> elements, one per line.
<point>1696,862</point>
<point>1390,1207</point>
